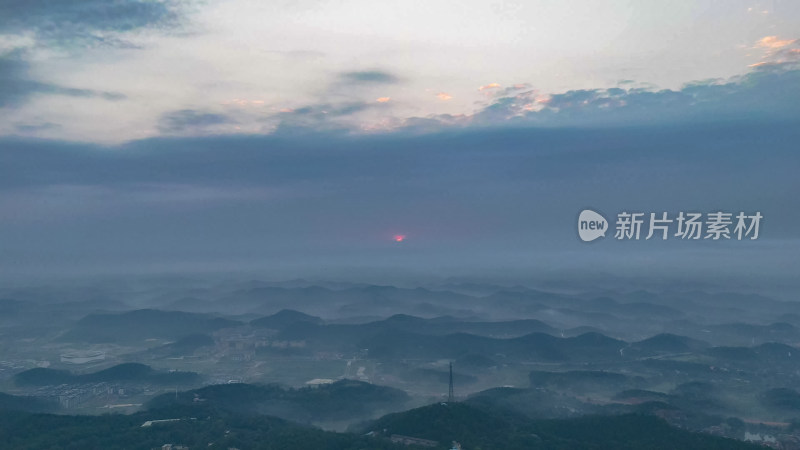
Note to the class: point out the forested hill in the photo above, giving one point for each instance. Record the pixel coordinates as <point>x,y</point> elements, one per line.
<point>492,428</point>
<point>203,425</point>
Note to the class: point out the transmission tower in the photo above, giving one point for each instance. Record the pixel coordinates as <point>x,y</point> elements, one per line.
<point>450,396</point>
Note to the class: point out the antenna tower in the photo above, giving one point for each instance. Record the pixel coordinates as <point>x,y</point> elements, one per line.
<point>450,396</point>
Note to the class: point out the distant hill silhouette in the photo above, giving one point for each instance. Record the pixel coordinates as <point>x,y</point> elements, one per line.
<point>342,400</point>
<point>306,327</point>
<point>584,380</point>
<point>143,324</point>
<point>123,372</point>
<point>667,343</point>
<point>535,346</point>
<point>285,318</point>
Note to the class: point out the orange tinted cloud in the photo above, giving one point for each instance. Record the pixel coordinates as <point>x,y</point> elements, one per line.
<point>489,86</point>
<point>444,96</point>
<point>383,99</point>
<point>773,42</point>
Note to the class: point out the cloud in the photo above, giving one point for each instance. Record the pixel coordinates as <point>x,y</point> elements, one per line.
<point>299,54</point>
<point>473,158</point>
<point>333,116</point>
<point>486,196</point>
<point>85,22</point>
<point>17,86</point>
<point>27,128</point>
<point>771,91</point>
<point>189,119</point>
<point>774,43</point>
<point>331,110</point>
<point>768,92</point>
<point>30,25</point>
<point>778,52</point>
<point>349,92</point>
<point>369,77</point>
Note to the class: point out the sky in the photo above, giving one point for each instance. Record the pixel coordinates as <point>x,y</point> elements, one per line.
<point>300,138</point>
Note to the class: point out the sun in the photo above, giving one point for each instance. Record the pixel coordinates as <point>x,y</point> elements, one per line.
<point>399,237</point>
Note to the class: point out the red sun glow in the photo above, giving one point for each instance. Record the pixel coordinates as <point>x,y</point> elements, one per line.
<point>399,237</point>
